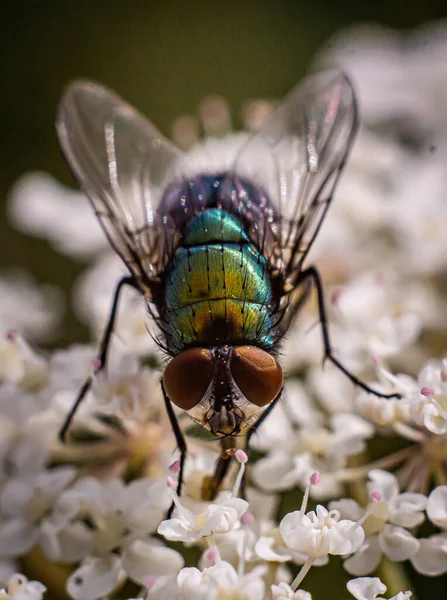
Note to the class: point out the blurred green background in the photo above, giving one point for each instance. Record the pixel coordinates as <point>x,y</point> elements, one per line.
<point>163,58</point>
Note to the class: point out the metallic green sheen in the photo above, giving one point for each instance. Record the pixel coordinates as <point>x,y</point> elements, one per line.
<point>218,289</point>
<point>214,225</point>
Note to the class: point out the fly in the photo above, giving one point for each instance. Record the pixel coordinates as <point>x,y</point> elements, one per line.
<point>219,257</point>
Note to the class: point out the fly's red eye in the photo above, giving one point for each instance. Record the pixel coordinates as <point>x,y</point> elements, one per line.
<point>257,374</point>
<point>187,377</point>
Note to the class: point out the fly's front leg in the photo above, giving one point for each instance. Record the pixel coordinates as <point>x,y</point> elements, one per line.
<point>102,358</point>
<point>181,443</point>
<point>312,274</point>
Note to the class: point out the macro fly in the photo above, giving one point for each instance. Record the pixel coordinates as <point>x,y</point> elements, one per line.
<point>218,256</point>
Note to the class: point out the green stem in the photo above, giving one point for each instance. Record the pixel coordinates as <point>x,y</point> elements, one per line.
<point>394,577</point>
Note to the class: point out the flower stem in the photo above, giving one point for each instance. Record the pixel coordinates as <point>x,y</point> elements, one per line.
<point>393,576</point>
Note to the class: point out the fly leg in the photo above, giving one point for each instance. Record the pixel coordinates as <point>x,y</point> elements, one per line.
<point>181,443</point>
<point>312,274</point>
<point>102,358</point>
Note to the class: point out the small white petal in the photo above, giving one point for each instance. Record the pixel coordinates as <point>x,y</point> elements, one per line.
<point>366,559</point>
<point>406,509</point>
<point>437,506</point>
<point>142,558</point>
<point>95,578</point>
<point>431,558</point>
<point>397,543</point>
<point>17,537</point>
<point>366,588</point>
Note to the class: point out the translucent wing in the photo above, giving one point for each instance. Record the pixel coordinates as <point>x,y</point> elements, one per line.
<point>296,159</point>
<point>124,165</point>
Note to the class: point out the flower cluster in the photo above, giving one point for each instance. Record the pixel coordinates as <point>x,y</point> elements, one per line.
<point>99,516</point>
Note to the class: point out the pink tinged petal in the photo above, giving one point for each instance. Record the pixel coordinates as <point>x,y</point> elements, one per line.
<point>431,558</point>
<point>397,543</point>
<point>17,537</point>
<point>437,506</point>
<point>96,578</point>
<point>366,588</point>
<point>143,558</point>
<point>366,559</point>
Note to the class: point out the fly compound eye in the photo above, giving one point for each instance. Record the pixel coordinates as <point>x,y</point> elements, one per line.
<point>187,377</point>
<point>257,374</point>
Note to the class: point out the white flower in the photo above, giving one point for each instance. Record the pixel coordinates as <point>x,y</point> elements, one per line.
<point>35,381</point>
<point>374,316</point>
<point>384,65</point>
<point>298,453</point>
<point>93,295</point>
<point>387,527</point>
<point>42,206</point>
<point>20,364</point>
<point>428,405</point>
<point>437,507</point>
<point>431,557</point>
<point>369,588</point>
<point>19,588</point>
<point>32,309</point>
<point>28,498</point>
<point>220,582</point>
<point>116,541</point>
<point>220,516</point>
<point>320,533</point>
<point>283,591</point>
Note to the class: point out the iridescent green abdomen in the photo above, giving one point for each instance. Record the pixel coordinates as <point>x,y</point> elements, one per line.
<point>218,290</point>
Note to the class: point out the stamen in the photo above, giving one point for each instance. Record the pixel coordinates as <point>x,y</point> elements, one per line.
<point>149,582</point>
<point>247,520</point>
<point>242,458</point>
<point>314,479</point>
<point>175,467</point>
<point>172,485</point>
<point>213,549</point>
<point>302,574</point>
<point>96,364</point>
<point>427,391</point>
<point>212,554</point>
<point>11,335</point>
<point>444,370</point>
<point>375,496</point>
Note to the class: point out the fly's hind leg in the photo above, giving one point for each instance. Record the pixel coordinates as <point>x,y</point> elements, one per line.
<point>102,358</point>
<point>312,274</point>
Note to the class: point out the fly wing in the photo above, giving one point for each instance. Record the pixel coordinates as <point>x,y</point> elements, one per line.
<point>124,165</point>
<point>296,158</point>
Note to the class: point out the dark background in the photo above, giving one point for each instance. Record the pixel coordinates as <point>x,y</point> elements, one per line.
<point>163,58</point>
